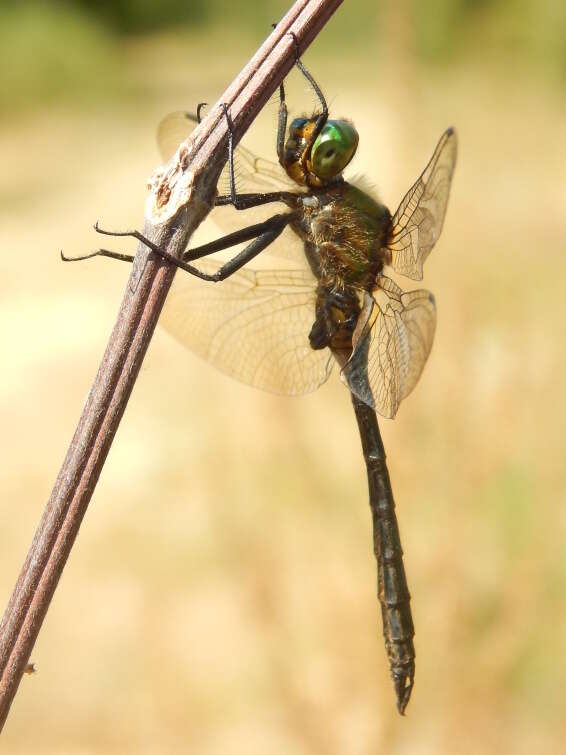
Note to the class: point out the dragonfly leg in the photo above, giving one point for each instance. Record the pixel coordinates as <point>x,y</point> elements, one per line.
<point>308,76</point>
<point>196,117</point>
<point>268,231</point>
<point>271,230</point>
<point>282,117</point>
<point>283,112</point>
<point>134,234</point>
<point>99,253</point>
<point>323,117</point>
<point>246,201</point>
<point>281,124</point>
<point>115,255</point>
<point>275,223</point>
<point>242,201</point>
<point>233,195</point>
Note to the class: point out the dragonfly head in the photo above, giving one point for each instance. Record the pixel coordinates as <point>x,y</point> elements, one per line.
<point>331,151</point>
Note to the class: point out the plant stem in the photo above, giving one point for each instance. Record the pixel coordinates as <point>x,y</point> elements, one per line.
<point>180,197</point>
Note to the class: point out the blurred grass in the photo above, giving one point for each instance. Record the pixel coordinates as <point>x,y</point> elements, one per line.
<point>221,596</point>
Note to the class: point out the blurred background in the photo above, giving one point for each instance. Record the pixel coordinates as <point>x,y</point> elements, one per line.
<point>221,596</point>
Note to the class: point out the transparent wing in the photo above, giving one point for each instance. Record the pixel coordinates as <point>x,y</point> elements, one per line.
<point>418,221</point>
<point>257,173</point>
<point>253,326</point>
<point>393,347</point>
<point>253,175</point>
<point>172,130</point>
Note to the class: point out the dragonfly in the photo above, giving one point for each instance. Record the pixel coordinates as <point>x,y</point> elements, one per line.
<point>282,328</point>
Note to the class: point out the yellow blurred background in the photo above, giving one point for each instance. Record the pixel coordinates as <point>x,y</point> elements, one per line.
<point>220,598</point>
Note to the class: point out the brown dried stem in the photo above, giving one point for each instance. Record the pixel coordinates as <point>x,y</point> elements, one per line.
<point>180,197</point>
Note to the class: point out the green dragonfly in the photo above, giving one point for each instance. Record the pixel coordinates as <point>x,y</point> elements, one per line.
<point>282,329</point>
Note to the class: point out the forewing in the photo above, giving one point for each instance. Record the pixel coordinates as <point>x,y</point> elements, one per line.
<point>418,221</point>
<point>253,175</point>
<point>252,326</point>
<point>391,352</point>
<point>172,130</point>
<point>256,174</point>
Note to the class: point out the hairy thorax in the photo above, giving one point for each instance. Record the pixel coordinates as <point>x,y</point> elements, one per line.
<point>344,232</point>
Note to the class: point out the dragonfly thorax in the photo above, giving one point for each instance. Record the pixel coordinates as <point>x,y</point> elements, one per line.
<point>317,163</point>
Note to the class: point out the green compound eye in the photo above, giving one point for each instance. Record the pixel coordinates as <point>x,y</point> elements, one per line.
<point>333,149</point>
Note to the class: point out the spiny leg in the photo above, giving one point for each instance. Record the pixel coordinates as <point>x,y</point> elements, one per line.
<point>282,116</point>
<point>281,123</point>
<point>323,117</point>
<point>135,235</point>
<point>99,253</point>
<point>117,255</point>
<point>248,253</point>
<point>271,230</point>
<point>274,224</point>
<point>233,195</point>
<point>241,202</point>
<point>309,77</point>
<point>245,201</point>
<point>283,111</point>
<point>264,230</point>
<point>262,234</point>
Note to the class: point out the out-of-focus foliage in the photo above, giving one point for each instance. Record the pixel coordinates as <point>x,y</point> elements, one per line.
<point>441,27</point>
<point>525,28</point>
<point>48,55</point>
<point>436,32</point>
<point>134,16</point>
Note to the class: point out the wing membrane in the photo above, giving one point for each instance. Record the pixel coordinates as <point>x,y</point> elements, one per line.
<point>172,130</point>
<point>418,221</point>
<point>253,326</point>
<point>257,173</point>
<point>391,352</point>
<point>253,175</point>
